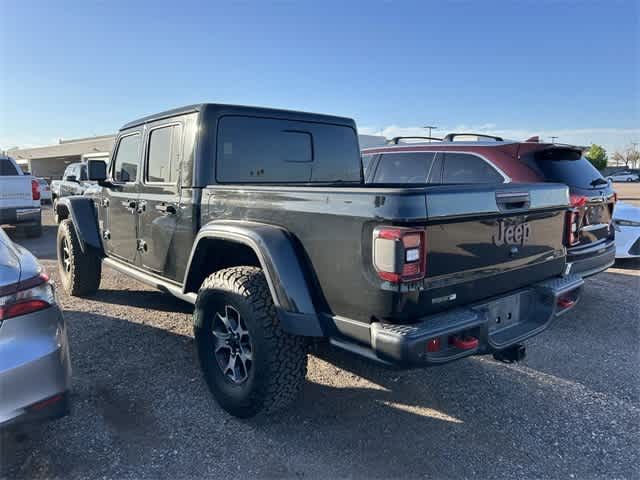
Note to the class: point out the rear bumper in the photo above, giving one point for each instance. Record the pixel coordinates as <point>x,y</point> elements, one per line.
<point>20,216</point>
<point>35,368</point>
<point>493,325</point>
<point>593,261</point>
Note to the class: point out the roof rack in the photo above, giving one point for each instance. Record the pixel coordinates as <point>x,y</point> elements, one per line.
<point>450,136</point>
<point>396,140</point>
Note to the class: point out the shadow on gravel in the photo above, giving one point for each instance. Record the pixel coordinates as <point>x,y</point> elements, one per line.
<point>43,247</point>
<point>627,263</point>
<point>150,299</point>
<point>141,409</point>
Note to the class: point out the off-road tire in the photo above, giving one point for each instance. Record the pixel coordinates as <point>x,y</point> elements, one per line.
<point>279,364</point>
<point>82,277</point>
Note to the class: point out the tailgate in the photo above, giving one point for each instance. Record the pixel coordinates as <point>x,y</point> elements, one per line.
<point>15,191</point>
<point>486,240</point>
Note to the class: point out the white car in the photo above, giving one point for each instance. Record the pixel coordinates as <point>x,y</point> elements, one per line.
<point>45,191</point>
<point>626,220</point>
<point>623,177</point>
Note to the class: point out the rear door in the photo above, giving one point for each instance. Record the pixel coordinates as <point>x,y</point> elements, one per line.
<point>120,201</point>
<point>159,200</point>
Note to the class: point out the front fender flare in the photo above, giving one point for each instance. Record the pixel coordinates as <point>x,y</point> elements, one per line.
<point>83,214</point>
<point>283,270</point>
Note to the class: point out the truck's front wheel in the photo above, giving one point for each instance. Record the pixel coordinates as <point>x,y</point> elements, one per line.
<point>80,271</point>
<point>250,364</point>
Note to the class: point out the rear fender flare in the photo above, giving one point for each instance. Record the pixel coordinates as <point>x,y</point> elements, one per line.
<point>282,268</point>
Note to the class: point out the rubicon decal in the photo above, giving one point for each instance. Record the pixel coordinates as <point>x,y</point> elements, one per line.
<point>510,234</point>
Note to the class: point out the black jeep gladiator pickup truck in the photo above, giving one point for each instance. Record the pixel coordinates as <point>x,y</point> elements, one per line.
<point>261,219</point>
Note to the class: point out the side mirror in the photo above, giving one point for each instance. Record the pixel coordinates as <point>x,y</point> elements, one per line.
<point>72,178</point>
<point>97,170</point>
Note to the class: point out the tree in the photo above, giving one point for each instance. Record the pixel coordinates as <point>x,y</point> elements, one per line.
<point>597,155</point>
<point>630,157</point>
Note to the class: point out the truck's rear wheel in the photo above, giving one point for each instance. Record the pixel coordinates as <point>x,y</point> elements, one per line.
<point>250,364</point>
<point>80,271</point>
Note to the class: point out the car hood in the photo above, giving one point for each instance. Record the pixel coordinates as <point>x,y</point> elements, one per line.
<point>626,211</point>
<point>16,264</point>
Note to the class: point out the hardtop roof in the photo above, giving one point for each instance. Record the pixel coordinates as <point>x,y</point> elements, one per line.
<point>241,110</point>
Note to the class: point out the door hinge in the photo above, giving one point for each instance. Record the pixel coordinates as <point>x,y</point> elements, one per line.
<point>105,202</point>
<point>106,235</point>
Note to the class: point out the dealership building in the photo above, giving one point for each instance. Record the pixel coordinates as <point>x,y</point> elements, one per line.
<point>50,161</point>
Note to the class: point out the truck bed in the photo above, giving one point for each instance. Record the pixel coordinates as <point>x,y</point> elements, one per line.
<point>468,256</point>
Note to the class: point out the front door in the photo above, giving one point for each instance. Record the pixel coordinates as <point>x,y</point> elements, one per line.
<point>159,201</point>
<point>120,201</point>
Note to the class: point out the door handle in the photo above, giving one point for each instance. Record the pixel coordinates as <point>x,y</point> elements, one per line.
<point>130,205</point>
<point>168,209</point>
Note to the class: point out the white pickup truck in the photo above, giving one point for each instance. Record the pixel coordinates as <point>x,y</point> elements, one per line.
<point>19,198</point>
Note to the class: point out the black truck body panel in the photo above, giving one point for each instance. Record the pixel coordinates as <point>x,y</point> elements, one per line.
<point>216,200</point>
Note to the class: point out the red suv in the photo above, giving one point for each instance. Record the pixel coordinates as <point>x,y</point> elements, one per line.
<point>589,233</point>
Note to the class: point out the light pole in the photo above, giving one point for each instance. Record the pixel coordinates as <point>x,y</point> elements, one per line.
<point>430,127</point>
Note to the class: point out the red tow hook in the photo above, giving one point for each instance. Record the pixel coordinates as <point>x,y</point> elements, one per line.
<point>565,302</point>
<point>464,343</point>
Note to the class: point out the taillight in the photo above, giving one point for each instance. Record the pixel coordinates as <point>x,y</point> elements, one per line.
<point>32,295</point>
<point>572,227</point>
<point>399,254</point>
<point>35,190</point>
<point>573,218</point>
<point>578,201</point>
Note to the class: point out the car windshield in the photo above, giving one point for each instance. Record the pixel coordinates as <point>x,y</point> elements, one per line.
<point>576,173</point>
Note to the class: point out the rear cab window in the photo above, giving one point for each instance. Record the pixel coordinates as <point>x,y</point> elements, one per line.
<point>267,150</point>
<point>7,169</point>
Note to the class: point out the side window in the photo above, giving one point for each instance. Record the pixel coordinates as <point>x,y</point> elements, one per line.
<point>83,173</point>
<point>125,167</point>
<point>466,168</point>
<point>163,158</point>
<point>67,172</point>
<point>404,167</point>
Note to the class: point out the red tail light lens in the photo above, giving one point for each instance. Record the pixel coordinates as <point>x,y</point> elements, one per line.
<point>35,190</point>
<point>25,297</point>
<point>572,228</point>
<point>578,201</point>
<point>399,254</point>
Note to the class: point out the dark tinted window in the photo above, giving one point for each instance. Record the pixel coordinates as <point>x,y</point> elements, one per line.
<point>577,173</point>
<point>6,168</point>
<point>366,162</point>
<point>163,158</point>
<point>258,150</point>
<point>126,161</point>
<point>404,167</point>
<point>83,173</point>
<point>466,168</point>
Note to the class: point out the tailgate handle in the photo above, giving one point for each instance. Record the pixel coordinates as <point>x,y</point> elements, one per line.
<point>512,200</point>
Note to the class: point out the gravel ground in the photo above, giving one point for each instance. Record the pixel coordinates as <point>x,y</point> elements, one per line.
<point>142,410</point>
